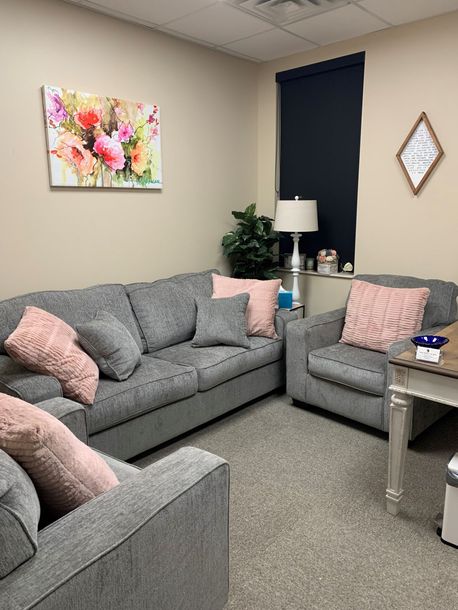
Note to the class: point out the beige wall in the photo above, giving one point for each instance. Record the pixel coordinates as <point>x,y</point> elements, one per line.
<point>72,238</point>
<point>408,69</point>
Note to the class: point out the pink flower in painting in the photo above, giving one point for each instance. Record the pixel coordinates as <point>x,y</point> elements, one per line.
<point>140,106</point>
<point>111,151</point>
<point>88,118</point>
<point>56,109</point>
<point>70,148</point>
<point>125,132</point>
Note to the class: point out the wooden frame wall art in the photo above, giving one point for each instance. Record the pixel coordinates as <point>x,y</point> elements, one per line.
<point>420,153</point>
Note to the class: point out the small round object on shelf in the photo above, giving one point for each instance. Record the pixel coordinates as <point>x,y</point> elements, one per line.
<point>434,341</point>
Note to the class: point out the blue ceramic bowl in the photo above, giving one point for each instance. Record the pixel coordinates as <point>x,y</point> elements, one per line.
<point>434,341</point>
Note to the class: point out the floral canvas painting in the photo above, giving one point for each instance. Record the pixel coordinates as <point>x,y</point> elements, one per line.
<point>97,141</point>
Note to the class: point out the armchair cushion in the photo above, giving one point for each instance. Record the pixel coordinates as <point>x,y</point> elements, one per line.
<point>441,305</point>
<point>378,315</point>
<point>65,471</point>
<point>358,368</point>
<point>19,515</point>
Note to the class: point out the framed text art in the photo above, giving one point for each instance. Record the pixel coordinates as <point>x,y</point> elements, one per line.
<point>99,141</point>
<point>420,153</point>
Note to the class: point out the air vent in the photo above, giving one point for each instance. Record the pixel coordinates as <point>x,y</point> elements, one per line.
<point>281,12</point>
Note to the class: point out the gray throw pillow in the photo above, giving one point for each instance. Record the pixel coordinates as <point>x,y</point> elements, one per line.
<point>110,344</point>
<point>19,515</point>
<point>221,321</point>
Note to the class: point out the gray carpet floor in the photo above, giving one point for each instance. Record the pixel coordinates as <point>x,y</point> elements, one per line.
<point>309,528</point>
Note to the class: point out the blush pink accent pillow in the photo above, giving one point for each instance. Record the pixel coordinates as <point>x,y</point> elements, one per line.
<point>377,316</point>
<point>66,472</point>
<point>45,344</point>
<point>260,312</point>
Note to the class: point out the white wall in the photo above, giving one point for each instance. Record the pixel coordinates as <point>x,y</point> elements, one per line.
<point>409,69</point>
<point>71,238</point>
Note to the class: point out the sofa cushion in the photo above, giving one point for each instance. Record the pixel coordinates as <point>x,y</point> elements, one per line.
<point>45,344</point>
<point>166,310</point>
<point>441,306</point>
<point>19,515</point>
<point>358,368</point>
<point>72,306</point>
<point>153,384</point>
<point>221,321</point>
<point>32,387</point>
<point>217,364</point>
<point>110,345</point>
<point>262,305</point>
<point>65,471</point>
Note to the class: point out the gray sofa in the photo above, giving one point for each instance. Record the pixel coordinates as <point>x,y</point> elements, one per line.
<point>157,540</point>
<point>176,387</point>
<point>354,382</point>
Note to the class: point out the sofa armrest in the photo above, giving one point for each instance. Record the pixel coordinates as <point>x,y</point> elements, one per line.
<point>282,318</point>
<point>70,413</point>
<point>157,540</point>
<point>304,336</point>
<point>19,382</point>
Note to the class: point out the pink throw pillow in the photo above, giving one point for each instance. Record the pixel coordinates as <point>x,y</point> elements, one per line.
<point>66,472</point>
<point>377,316</point>
<point>260,312</point>
<point>47,345</point>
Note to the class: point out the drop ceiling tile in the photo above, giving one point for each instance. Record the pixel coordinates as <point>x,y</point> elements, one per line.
<point>219,24</point>
<point>153,11</point>
<point>340,24</point>
<point>271,45</point>
<point>405,11</point>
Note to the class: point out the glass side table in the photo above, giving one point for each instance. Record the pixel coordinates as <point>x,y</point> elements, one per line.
<point>296,307</point>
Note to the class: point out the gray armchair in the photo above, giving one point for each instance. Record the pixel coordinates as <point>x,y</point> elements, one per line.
<point>157,540</point>
<point>354,382</point>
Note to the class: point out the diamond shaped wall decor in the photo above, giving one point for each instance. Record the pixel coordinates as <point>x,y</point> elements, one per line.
<point>420,153</point>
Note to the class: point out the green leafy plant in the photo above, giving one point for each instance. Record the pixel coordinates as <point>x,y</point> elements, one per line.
<point>249,246</point>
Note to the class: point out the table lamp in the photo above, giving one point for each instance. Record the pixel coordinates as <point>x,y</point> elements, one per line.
<point>296,216</point>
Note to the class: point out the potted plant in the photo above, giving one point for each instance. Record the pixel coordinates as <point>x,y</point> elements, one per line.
<point>249,246</point>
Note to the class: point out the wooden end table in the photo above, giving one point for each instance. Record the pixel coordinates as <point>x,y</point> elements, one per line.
<point>436,382</point>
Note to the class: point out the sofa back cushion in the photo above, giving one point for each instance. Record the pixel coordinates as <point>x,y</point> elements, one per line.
<point>19,515</point>
<point>72,306</point>
<point>441,306</point>
<point>166,310</point>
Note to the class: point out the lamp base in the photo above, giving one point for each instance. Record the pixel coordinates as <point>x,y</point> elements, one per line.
<point>295,264</point>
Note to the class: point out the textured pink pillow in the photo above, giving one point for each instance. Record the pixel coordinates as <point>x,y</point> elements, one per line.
<point>65,471</point>
<point>378,316</point>
<point>260,312</point>
<point>45,344</point>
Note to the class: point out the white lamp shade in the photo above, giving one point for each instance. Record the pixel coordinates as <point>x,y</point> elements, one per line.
<point>296,216</point>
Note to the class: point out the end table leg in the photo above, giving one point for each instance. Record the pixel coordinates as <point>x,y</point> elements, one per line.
<point>400,421</point>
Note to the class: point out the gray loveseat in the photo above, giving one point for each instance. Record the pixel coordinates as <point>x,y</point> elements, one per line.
<point>176,387</point>
<point>157,540</point>
<point>354,382</point>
